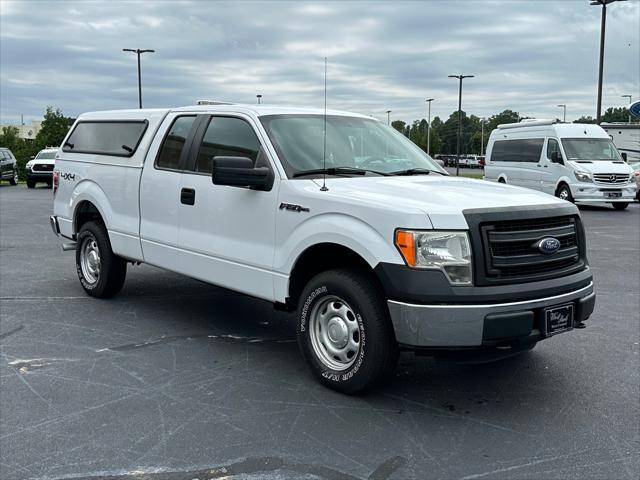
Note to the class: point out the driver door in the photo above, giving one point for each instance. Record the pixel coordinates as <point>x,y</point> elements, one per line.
<point>226,234</point>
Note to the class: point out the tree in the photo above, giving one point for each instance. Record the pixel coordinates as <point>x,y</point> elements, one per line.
<point>54,128</point>
<point>616,114</point>
<point>399,125</point>
<point>583,119</point>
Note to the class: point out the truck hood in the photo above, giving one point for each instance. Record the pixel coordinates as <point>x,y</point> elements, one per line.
<point>602,166</point>
<point>442,198</point>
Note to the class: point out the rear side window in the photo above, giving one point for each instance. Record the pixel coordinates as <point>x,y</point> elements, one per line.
<point>229,137</point>
<point>173,144</point>
<point>118,138</point>
<point>522,150</point>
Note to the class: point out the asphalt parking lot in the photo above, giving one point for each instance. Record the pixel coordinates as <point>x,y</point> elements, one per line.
<point>178,379</point>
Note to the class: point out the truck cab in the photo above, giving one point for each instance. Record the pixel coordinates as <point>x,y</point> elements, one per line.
<point>332,215</point>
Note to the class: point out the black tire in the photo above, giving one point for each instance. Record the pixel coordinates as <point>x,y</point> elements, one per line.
<point>112,270</point>
<point>502,180</point>
<point>564,192</point>
<point>14,180</point>
<point>31,184</point>
<point>377,353</point>
<point>620,205</point>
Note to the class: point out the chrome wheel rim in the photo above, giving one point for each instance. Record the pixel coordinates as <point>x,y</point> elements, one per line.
<point>15,177</point>
<point>564,195</point>
<point>334,332</point>
<point>90,259</point>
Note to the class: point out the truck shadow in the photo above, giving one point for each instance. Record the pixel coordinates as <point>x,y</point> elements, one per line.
<point>234,325</point>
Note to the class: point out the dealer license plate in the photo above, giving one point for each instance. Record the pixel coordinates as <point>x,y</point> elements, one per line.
<point>558,319</point>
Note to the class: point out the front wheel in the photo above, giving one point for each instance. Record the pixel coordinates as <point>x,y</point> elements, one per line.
<point>620,205</point>
<point>345,332</point>
<point>31,184</point>
<point>564,193</point>
<point>14,179</point>
<point>101,272</point>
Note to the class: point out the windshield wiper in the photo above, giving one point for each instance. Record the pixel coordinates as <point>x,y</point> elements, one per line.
<point>337,171</point>
<point>416,171</point>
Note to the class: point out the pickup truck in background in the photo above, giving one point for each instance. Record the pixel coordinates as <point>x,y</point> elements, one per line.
<point>332,215</point>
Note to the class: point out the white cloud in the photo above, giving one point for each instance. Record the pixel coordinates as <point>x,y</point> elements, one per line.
<point>527,55</point>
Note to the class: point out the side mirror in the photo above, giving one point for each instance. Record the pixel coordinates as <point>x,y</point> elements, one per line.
<point>624,156</point>
<point>240,172</point>
<point>32,157</point>
<point>557,158</point>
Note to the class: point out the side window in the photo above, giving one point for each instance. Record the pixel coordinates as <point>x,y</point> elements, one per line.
<point>229,137</point>
<point>552,146</point>
<point>113,137</point>
<point>173,144</point>
<point>523,150</point>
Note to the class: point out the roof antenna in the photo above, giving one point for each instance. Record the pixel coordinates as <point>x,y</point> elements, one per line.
<point>324,149</point>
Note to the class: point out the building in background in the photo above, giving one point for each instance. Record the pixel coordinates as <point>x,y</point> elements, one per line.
<point>26,131</point>
<point>626,138</point>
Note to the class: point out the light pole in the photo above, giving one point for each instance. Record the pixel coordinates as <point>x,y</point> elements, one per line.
<point>460,78</point>
<point>429,100</point>
<point>137,51</point>
<point>629,97</point>
<point>388,117</point>
<point>603,23</point>
<point>564,115</point>
<point>258,97</point>
<point>482,137</point>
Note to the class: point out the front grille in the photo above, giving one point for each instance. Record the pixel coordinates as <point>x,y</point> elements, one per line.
<point>511,252</point>
<point>43,167</point>
<point>611,177</point>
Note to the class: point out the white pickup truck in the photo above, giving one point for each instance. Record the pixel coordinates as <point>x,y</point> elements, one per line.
<point>334,216</point>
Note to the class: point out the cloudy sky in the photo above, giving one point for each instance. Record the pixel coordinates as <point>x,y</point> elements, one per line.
<point>527,55</point>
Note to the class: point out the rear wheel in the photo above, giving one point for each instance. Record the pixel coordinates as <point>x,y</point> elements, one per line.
<point>564,193</point>
<point>101,272</point>
<point>502,180</point>
<point>345,332</point>
<point>620,205</point>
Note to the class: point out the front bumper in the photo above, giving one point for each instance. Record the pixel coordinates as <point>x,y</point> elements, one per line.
<point>477,325</point>
<point>596,193</point>
<point>39,176</point>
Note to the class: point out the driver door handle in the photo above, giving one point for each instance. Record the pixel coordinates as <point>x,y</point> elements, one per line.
<point>188,196</point>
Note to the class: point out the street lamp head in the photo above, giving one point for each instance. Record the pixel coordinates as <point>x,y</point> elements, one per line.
<point>128,50</point>
<point>429,99</point>
<point>605,2</point>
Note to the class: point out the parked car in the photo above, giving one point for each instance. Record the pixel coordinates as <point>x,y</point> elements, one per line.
<point>575,162</point>
<point>636,177</point>
<point>8,166</point>
<point>40,168</point>
<point>472,161</point>
<point>335,216</point>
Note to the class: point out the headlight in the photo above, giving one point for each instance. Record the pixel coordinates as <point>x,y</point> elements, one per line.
<point>583,176</point>
<point>448,251</point>
<point>29,165</point>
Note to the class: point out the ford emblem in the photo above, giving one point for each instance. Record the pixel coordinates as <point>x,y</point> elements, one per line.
<point>549,245</point>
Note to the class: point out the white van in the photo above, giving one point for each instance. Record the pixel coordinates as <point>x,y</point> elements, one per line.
<point>575,162</point>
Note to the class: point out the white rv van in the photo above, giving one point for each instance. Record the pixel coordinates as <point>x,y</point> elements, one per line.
<point>575,162</point>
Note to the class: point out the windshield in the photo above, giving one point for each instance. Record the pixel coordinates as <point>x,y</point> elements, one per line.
<point>590,149</point>
<point>352,142</point>
<point>46,155</point>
